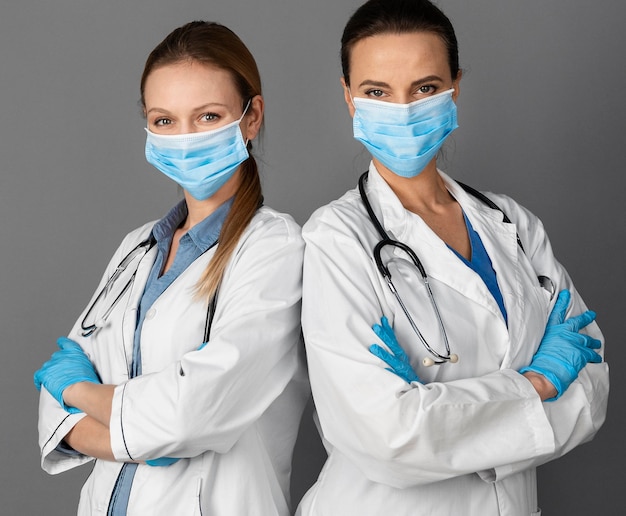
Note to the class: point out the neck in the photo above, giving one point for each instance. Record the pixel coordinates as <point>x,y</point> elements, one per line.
<point>200,210</point>
<point>426,192</point>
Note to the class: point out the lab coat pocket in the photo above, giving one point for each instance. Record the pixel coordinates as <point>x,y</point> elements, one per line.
<point>545,298</point>
<point>537,513</point>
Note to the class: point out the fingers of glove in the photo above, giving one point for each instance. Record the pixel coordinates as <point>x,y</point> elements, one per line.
<point>161,461</point>
<point>592,343</point>
<point>557,316</point>
<point>578,322</point>
<point>64,369</point>
<point>386,334</point>
<point>68,344</point>
<point>396,365</point>
<point>588,353</point>
<point>384,331</point>
<point>381,353</point>
<point>36,380</point>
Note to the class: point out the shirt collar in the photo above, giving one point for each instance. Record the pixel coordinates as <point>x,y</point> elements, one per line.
<point>203,235</point>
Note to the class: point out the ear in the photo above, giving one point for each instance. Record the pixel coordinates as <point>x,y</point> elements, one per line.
<point>347,97</point>
<point>456,84</point>
<point>251,123</point>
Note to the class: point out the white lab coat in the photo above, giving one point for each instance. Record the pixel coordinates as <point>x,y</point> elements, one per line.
<point>233,408</point>
<point>468,439</point>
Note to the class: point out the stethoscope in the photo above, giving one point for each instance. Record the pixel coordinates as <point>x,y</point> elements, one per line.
<point>435,358</point>
<point>136,254</point>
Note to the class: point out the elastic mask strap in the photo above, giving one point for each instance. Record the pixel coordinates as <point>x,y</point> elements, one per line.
<point>244,114</point>
<point>245,109</point>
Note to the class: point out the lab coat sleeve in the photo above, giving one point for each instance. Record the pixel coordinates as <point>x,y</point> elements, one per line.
<point>579,413</point>
<point>54,422</point>
<point>209,398</point>
<point>398,434</point>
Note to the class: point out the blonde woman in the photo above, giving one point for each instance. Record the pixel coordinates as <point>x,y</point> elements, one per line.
<point>184,377</point>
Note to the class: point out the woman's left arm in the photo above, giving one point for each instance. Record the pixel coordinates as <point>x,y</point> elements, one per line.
<point>579,413</point>
<point>91,438</point>
<point>92,399</point>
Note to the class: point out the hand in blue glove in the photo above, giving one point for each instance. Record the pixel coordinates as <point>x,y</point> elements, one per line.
<point>395,358</point>
<point>563,350</point>
<point>162,461</point>
<point>66,367</point>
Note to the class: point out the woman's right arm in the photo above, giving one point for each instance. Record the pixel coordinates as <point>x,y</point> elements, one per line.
<point>54,422</point>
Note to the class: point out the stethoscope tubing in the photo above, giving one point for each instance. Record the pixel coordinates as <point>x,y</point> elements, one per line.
<point>89,329</point>
<point>386,240</point>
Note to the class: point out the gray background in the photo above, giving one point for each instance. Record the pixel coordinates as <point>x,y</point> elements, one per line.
<point>542,118</point>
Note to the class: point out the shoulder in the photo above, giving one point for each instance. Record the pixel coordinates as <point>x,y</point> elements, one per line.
<point>343,216</point>
<point>270,229</point>
<point>132,239</point>
<point>528,226</point>
<point>137,235</point>
<point>268,221</point>
<point>522,217</point>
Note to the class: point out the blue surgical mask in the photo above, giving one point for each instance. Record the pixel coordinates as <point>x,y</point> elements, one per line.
<point>404,137</point>
<point>199,162</point>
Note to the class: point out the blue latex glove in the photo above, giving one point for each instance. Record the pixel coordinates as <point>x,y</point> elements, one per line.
<point>395,358</point>
<point>66,367</point>
<point>563,351</point>
<point>162,461</point>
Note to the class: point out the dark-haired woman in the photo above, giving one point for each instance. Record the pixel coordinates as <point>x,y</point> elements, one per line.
<point>184,376</point>
<point>449,352</point>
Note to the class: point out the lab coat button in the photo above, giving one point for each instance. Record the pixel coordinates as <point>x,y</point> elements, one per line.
<point>150,313</point>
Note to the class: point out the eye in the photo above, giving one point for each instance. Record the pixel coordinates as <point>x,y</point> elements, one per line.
<point>426,89</point>
<point>161,122</point>
<point>209,117</point>
<point>375,93</point>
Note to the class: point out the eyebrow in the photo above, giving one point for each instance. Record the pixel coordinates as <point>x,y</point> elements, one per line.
<point>414,84</point>
<point>199,108</point>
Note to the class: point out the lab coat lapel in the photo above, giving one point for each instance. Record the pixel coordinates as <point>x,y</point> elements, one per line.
<point>500,241</point>
<point>440,262</point>
<point>130,314</point>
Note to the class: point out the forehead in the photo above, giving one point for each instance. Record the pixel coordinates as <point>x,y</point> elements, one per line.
<point>190,81</point>
<point>414,53</point>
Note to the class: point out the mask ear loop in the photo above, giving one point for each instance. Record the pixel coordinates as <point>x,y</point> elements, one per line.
<point>351,98</point>
<point>245,110</point>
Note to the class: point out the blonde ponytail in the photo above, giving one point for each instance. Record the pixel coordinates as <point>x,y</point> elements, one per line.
<point>247,200</point>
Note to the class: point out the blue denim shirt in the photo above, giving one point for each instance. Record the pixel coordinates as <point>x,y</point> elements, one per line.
<point>192,245</point>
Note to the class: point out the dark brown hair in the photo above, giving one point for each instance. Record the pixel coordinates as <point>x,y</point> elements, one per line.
<point>398,17</point>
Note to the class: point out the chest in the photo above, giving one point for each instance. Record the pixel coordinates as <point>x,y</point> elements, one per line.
<point>173,325</point>
<point>463,306</point>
